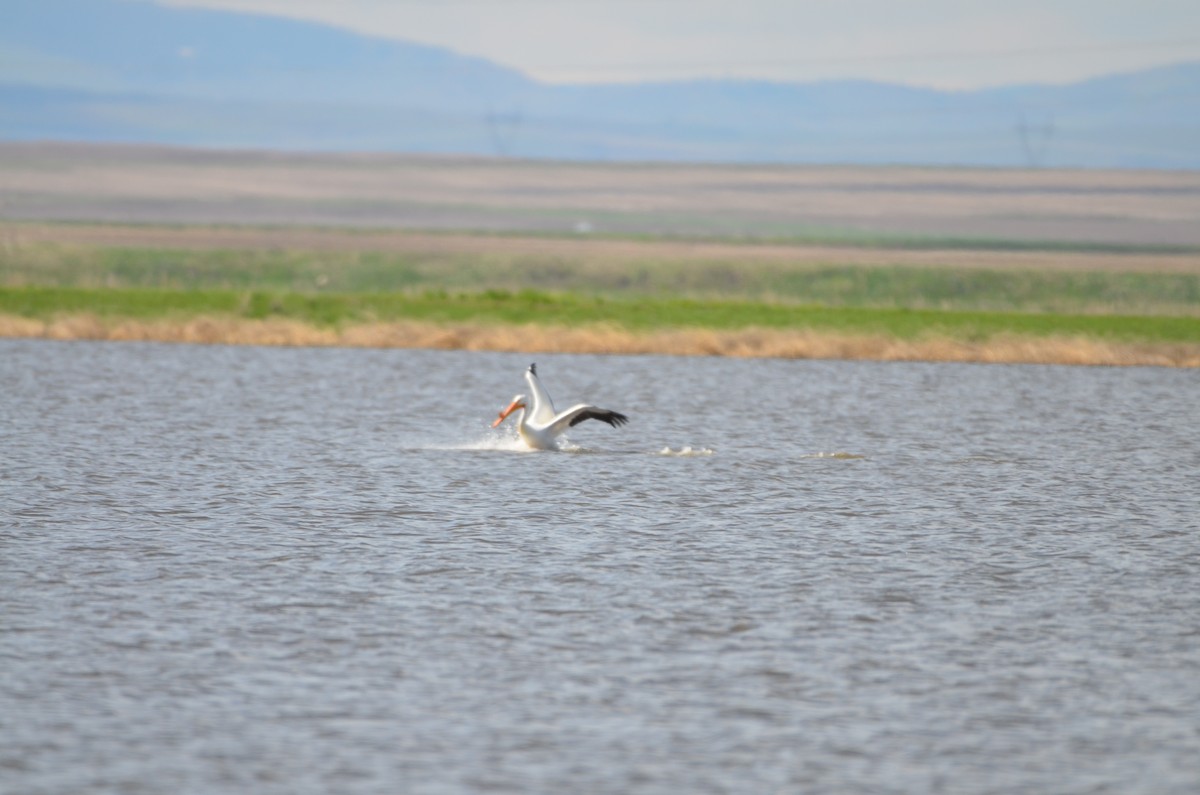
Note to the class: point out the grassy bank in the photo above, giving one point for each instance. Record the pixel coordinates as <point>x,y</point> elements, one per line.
<point>333,287</point>
<point>530,320</point>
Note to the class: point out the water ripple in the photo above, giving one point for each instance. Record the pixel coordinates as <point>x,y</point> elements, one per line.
<point>933,578</point>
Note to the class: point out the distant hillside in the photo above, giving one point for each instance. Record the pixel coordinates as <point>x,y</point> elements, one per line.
<point>119,70</point>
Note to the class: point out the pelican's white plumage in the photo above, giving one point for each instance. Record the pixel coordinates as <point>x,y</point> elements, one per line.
<point>538,424</point>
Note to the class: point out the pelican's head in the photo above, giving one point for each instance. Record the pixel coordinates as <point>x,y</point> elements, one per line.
<point>518,402</point>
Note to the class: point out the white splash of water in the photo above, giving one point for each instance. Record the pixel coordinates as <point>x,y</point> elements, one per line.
<point>504,443</point>
<point>510,443</point>
<point>685,452</point>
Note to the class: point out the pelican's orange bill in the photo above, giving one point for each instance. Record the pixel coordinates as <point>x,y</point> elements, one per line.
<point>516,404</point>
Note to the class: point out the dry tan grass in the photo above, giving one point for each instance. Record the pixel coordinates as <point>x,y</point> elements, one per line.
<point>759,343</point>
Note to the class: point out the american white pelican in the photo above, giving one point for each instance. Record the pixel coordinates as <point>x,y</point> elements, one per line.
<point>539,426</point>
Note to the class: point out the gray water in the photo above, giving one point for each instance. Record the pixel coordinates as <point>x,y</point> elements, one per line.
<point>257,570</point>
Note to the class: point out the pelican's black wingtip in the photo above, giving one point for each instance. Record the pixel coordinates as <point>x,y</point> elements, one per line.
<point>613,418</point>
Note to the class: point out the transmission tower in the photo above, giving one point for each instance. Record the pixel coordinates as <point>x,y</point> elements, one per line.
<point>1035,139</point>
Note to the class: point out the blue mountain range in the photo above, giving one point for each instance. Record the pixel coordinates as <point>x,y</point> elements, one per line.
<point>130,70</point>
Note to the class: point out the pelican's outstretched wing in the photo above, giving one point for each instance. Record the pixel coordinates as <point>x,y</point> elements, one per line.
<point>577,414</point>
<point>541,410</point>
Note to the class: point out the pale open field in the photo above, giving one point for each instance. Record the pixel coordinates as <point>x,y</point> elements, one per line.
<point>49,181</point>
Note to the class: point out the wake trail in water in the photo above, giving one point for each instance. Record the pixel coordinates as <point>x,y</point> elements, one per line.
<point>513,444</point>
<point>839,455</point>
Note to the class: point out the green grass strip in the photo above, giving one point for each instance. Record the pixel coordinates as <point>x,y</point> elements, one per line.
<point>528,306</point>
<point>341,272</point>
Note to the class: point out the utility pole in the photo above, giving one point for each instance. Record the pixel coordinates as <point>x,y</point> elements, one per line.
<point>502,128</point>
<point>1035,139</point>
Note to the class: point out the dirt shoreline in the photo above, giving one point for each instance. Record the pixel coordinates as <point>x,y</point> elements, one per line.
<point>748,343</point>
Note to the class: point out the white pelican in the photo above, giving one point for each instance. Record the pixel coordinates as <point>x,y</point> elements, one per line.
<point>539,426</point>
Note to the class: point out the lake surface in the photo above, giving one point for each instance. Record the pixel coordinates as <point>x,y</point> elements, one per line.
<point>319,571</point>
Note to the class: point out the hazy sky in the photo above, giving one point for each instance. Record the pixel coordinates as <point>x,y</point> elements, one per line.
<point>943,43</point>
